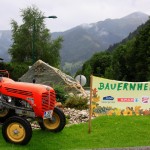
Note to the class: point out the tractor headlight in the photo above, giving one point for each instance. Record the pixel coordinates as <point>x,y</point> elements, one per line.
<point>0,96</point>
<point>9,99</point>
<point>5,98</point>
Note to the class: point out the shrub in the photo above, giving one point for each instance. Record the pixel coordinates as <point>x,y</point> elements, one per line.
<point>76,102</point>
<point>61,95</point>
<point>16,70</point>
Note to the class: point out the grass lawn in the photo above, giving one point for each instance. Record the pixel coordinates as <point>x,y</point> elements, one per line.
<point>107,132</point>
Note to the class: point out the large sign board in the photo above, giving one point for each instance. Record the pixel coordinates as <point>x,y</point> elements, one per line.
<point>111,97</point>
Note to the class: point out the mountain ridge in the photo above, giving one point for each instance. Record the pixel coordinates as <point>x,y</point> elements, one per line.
<point>82,41</point>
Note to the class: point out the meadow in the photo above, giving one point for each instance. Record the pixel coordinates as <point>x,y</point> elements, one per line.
<point>106,132</point>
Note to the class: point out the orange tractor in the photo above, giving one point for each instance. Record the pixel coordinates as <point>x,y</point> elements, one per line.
<point>21,103</point>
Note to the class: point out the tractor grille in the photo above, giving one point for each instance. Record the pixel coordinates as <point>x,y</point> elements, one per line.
<point>16,91</point>
<point>48,103</point>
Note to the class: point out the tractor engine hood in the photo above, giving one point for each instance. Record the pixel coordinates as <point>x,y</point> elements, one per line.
<point>34,88</point>
<point>24,86</point>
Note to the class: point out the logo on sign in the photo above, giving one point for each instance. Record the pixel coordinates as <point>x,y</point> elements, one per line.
<point>145,99</point>
<point>136,100</point>
<point>108,98</point>
<point>125,99</point>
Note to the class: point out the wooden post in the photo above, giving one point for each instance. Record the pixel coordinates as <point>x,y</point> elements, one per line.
<point>90,106</point>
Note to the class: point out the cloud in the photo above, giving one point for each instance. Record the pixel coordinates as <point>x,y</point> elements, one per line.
<point>71,13</point>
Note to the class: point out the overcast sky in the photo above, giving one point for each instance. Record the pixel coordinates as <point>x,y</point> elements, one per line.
<point>71,13</point>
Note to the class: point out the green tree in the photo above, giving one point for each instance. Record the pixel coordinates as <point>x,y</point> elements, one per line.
<point>99,62</point>
<point>87,71</point>
<point>33,28</point>
<point>139,57</point>
<point>96,65</point>
<point>119,63</point>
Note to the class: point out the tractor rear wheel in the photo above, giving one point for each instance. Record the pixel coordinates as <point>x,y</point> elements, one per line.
<point>17,130</point>
<point>56,124</point>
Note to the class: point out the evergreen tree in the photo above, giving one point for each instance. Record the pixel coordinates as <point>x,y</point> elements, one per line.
<point>139,58</point>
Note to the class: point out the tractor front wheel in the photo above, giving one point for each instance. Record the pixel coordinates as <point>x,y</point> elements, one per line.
<point>17,130</point>
<point>56,124</point>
